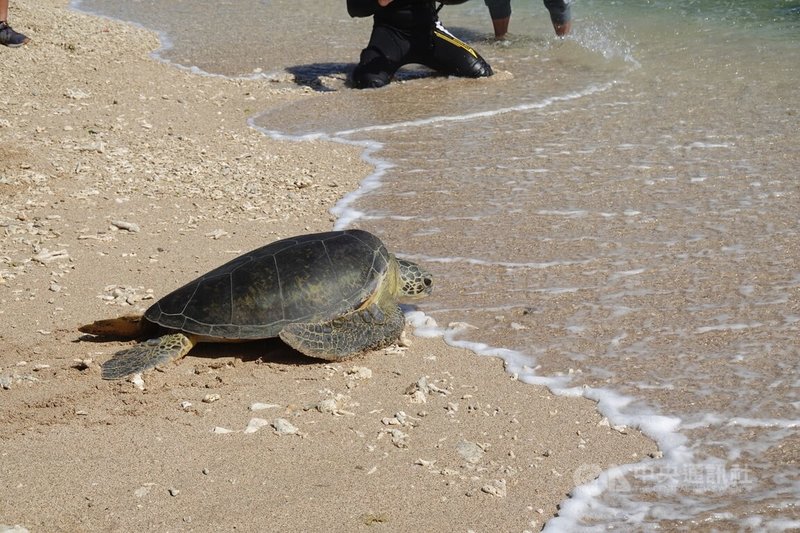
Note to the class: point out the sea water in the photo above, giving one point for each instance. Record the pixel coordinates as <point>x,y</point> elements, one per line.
<point>616,214</point>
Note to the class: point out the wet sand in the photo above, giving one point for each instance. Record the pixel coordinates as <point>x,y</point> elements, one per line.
<point>122,178</point>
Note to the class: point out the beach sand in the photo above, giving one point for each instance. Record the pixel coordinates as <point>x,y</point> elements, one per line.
<point>121,178</point>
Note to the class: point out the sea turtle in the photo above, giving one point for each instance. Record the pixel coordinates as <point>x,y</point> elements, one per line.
<point>328,295</point>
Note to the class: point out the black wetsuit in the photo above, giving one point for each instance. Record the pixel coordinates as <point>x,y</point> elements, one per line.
<point>559,10</point>
<point>409,31</point>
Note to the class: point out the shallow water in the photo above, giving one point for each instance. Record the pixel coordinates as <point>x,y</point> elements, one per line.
<point>618,217</point>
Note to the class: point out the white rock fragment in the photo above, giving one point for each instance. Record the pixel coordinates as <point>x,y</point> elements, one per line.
<point>470,451</point>
<point>284,427</point>
<point>399,439</point>
<point>421,388</point>
<point>185,405</point>
<point>421,385</point>
<point>127,226</point>
<point>497,489</point>
<point>217,234</point>
<point>137,381</point>
<point>122,295</point>
<point>424,462</point>
<point>46,256</point>
<point>222,431</point>
<point>77,94</point>
<point>7,381</point>
<point>211,398</point>
<point>404,341</point>
<point>98,146</point>
<point>433,388</point>
<point>255,424</point>
<point>394,349</point>
<point>144,490</point>
<point>333,406</point>
<point>257,406</point>
<point>418,397</point>
<point>400,419</point>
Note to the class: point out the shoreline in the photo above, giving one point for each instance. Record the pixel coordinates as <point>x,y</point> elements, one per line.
<point>123,176</point>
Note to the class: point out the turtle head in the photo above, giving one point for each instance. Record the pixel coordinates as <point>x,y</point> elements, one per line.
<point>414,281</point>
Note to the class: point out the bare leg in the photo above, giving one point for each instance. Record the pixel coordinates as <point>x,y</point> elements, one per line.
<point>500,28</point>
<point>3,10</point>
<point>562,29</point>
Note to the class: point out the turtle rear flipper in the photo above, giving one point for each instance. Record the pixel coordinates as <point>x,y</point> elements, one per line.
<point>124,327</point>
<point>147,354</point>
<point>350,335</point>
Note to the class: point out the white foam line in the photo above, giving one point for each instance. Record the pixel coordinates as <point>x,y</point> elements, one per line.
<point>483,262</point>
<point>592,89</point>
<point>763,422</point>
<point>728,327</point>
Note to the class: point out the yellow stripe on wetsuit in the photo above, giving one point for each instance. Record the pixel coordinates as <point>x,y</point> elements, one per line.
<point>452,40</point>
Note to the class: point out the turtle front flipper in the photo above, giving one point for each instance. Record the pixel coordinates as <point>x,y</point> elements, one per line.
<point>147,354</point>
<point>361,331</point>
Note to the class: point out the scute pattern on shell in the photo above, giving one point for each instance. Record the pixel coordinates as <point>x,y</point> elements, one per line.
<point>311,278</point>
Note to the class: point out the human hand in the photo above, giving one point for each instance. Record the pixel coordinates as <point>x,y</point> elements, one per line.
<point>384,3</point>
<point>561,29</point>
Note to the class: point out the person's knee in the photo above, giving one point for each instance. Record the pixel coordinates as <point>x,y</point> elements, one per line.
<point>373,70</point>
<point>478,68</point>
<point>483,69</point>
<point>363,79</point>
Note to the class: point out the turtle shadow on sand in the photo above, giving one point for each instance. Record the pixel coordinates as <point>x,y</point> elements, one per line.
<point>263,351</point>
<point>271,350</point>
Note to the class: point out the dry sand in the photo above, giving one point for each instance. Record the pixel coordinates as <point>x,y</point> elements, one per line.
<point>120,179</point>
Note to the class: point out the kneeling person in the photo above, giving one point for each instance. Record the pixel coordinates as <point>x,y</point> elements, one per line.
<point>405,32</point>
